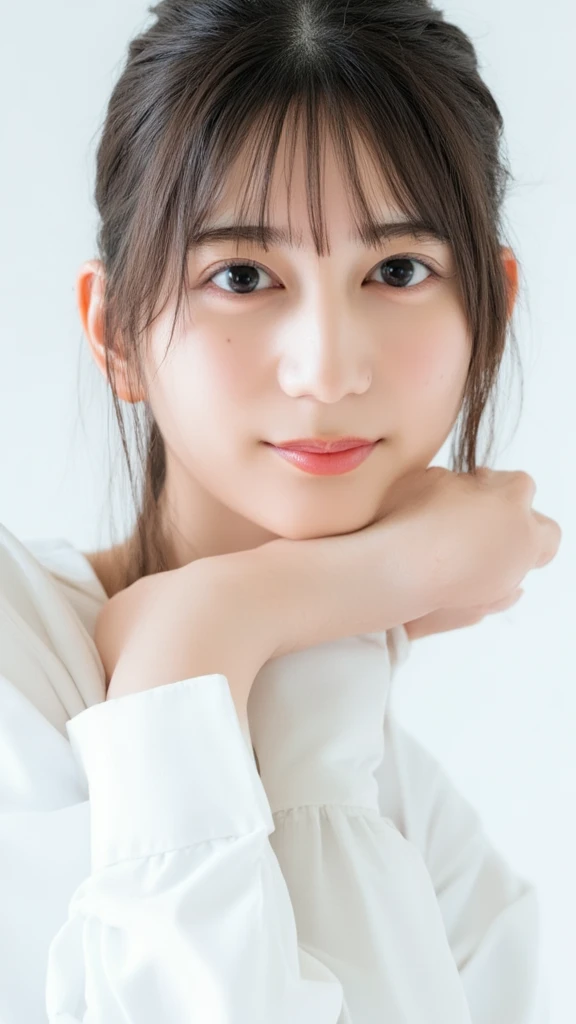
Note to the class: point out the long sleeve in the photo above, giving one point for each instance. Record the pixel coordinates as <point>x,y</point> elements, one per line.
<point>147,872</point>
<point>185,915</point>
<point>362,895</point>
<point>137,880</point>
<point>491,914</point>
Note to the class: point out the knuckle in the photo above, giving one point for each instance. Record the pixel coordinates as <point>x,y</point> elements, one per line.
<point>524,482</point>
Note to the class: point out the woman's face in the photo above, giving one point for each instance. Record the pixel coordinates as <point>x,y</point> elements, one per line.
<point>298,347</point>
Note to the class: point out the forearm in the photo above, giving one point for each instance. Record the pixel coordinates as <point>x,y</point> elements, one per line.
<point>313,592</point>
<point>230,614</point>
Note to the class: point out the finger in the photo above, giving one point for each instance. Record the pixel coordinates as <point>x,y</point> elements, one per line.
<point>506,602</point>
<point>549,539</point>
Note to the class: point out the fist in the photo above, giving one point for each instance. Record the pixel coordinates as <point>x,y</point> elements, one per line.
<point>447,619</point>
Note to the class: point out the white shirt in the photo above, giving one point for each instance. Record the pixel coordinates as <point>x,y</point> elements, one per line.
<point>151,874</point>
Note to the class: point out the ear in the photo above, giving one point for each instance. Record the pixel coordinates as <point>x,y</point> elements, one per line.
<point>90,294</point>
<point>511,267</point>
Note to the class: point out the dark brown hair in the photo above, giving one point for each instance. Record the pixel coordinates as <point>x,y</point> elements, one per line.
<point>211,78</point>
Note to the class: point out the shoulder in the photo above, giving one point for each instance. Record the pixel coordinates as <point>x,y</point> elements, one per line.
<point>49,602</point>
<point>39,565</point>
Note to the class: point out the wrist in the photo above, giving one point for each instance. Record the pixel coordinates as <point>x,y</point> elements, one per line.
<point>243,585</point>
<point>318,590</point>
<point>199,620</point>
<point>425,563</point>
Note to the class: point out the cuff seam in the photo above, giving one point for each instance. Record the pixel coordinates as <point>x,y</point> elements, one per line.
<point>103,866</point>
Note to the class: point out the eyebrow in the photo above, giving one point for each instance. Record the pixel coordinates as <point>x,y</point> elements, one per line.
<point>373,234</point>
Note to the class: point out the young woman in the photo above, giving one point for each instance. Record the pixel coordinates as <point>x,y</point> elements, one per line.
<point>208,811</point>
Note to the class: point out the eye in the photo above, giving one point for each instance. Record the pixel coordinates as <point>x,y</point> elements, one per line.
<point>397,272</point>
<point>240,277</point>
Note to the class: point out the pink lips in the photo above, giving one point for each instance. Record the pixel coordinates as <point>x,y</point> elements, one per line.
<point>311,445</point>
<point>327,463</point>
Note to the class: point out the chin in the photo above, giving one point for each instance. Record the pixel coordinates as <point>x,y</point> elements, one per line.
<point>318,527</point>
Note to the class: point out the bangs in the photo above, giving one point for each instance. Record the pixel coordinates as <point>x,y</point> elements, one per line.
<point>376,113</point>
<point>253,149</point>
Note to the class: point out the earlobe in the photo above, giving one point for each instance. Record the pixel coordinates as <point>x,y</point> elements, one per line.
<point>90,296</point>
<point>511,266</point>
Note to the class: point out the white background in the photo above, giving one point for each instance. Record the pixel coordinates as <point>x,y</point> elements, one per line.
<point>496,702</point>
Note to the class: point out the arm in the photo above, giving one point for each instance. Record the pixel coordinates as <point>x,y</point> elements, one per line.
<point>283,596</point>
<point>234,887</point>
<point>185,914</point>
<point>491,914</point>
<point>363,899</point>
<point>315,591</point>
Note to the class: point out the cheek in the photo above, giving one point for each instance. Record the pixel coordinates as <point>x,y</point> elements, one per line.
<point>431,363</point>
<point>208,371</point>
<point>203,392</point>
<point>223,364</point>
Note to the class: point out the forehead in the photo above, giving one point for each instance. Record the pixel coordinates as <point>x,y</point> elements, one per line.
<point>289,183</point>
<point>277,211</point>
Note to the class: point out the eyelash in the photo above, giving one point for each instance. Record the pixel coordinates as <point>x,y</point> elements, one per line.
<point>258,266</point>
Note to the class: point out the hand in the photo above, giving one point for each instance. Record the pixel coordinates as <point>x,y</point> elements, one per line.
<point>446,619</point>
<point>477,532</point>
<point>441,542</point>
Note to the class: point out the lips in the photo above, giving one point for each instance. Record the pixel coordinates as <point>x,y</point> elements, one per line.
<point>323,463</point>
<point>342,445</point>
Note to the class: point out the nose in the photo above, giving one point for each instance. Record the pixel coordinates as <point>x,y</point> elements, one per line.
<point>324,356</point>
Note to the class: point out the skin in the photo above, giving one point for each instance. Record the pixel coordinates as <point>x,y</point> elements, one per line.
<point>323,347</point>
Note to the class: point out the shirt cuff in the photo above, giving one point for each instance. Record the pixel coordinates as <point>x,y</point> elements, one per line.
<point>317,723</point>
<point>166,768</point>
